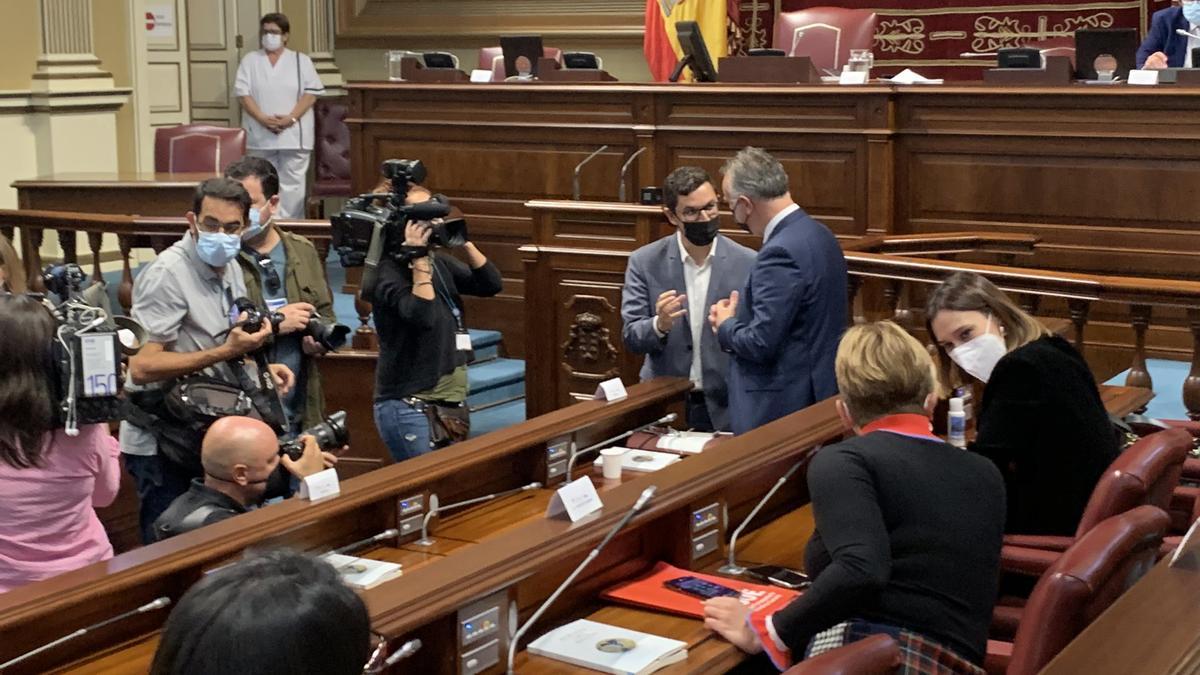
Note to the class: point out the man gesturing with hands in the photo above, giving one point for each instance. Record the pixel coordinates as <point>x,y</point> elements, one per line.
<point>669,286</point>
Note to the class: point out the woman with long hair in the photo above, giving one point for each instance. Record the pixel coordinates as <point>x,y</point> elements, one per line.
<point>50,482</point>
<point>12,273</point>
<point>1041,420</point>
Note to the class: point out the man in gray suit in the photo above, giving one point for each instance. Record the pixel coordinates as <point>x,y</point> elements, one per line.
<point>669,287</point>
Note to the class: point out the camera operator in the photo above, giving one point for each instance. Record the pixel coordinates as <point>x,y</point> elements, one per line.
<point>284,274</point>
<point>185,301</point>
<point>50,481</point>
<point>421,380</point>
<point>239,454</point>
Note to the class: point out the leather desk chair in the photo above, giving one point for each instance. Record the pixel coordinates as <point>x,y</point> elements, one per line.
<point>197,148</point>
<point>875,655</point>
<point>1083,582</point>
<point>492,58</point>
<point>825,34</point>
<point>331,155</point>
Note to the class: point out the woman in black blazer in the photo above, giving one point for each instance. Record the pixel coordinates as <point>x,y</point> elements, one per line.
<point>1041,420</point>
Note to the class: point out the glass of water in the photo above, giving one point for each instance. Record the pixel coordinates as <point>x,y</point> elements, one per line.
<point>861,60</point>
<point>392,61</point>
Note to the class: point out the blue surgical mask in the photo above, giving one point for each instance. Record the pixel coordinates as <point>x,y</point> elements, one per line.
<point>255,227</point>
<point>1192,13</point>
<point>218,249</point>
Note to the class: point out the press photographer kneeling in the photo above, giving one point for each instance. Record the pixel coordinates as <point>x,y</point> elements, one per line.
<point>421,379</point>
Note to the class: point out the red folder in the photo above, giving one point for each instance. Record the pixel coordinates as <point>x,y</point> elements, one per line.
<point>650,592</point>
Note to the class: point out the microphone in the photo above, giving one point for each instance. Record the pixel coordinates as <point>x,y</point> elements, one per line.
<point>665,419</point>
<point>625,170</point>
<point>434,509</point>
<point>1188,34</point>
<point>406,650</point>
<point>386,534</point>
<point>153,605</point>
<point>640,504</point>
<point>579,167</point>
<point>731,567</point>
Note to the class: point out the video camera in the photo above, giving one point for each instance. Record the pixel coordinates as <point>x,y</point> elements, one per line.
<point>372,225</point>
<point>88,348</point>
<point>331,435</point>
<point>330,336</point>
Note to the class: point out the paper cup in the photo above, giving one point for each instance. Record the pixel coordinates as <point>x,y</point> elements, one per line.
<point>610,462</point>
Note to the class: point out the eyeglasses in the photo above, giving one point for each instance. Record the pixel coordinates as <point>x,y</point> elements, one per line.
<point>690,213</point>
<point>270,276</point>
<point>211,225</point>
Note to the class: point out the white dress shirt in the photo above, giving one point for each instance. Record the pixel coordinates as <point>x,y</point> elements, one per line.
<point>1192,44</point>
<point>695,280</point>
<point>787,210</point>
<point>276,89</point>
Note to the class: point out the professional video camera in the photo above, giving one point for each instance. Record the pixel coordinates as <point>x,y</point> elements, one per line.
<point>330,336</point>
<point>89,345</point>
<point>331,434</point>
<point>372,225</point>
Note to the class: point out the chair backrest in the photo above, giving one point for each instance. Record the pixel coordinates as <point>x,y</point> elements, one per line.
<point>825,34</point>
<point>492,58</point>
<point>197,148</point>
<point>875,655</point>
<point>331,151</point>
<point>1083,582</point>
<point>1145,473</point>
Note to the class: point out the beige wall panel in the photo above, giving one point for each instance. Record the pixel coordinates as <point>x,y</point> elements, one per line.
<point>166,87</point>
<point>297,14</point>
<point>19,29</point>
<point>206,25</point>
<point>210,86</point>
<point>114,45</point>
<point>20,154</point>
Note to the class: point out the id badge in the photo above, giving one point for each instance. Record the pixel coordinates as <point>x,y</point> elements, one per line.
<point>276,304</point>
<point>462,341</point>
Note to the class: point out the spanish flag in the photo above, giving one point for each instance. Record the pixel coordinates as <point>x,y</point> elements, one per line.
<point>661,44</point>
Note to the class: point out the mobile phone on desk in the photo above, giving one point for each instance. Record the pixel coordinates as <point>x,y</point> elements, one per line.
<point>696,587</point>
<point>780,576</point>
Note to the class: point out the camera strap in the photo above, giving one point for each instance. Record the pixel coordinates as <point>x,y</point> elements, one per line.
<point>263,394</point>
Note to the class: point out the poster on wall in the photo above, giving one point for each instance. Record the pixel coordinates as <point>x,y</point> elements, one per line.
<point>160,26</point>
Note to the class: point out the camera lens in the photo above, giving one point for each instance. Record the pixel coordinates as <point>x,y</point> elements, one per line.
<point>332,337</point>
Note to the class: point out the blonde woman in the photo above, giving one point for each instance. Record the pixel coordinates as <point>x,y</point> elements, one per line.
<point>12,273</point>
<point>1041,419</point>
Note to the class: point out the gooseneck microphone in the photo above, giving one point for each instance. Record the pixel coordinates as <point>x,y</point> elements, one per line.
<point>386,534</point>
<point>435,509</point>
<point>665,419</point>
<point>731,567</point>
<point>153,605</point>
<point>406,650</point>
<point>640,504</point>
<point>1187,34</point>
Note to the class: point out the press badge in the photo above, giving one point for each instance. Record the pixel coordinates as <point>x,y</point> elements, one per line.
<point>276,304</point>
<point>462,341</point>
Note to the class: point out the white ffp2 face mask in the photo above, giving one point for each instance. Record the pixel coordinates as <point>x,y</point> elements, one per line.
<point>980,355</point>
<point>272,41</point>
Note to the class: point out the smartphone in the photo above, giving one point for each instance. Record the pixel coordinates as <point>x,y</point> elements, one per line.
<point>780,576</point>
<point>700,588</point>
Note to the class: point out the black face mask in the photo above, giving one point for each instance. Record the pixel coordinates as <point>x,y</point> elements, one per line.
<point>703,232</point>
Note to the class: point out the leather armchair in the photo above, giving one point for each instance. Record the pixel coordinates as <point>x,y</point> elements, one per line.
<point>198,148</point>
<point>875,655</point>
<point>331,155</point>
<point>825,34</point>
<point>492,58</point>
<point>1083,582</point>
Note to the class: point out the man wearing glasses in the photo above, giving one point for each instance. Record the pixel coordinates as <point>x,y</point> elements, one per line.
<point>185,300</point>
<point>669,286</point>
<point>1164,47</point>
<point>284,274</point>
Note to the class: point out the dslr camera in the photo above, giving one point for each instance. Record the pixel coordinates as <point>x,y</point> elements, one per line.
<point>88,348</point>
<point>372,225</point>
<point>331,434</point>
<point>330,336</point>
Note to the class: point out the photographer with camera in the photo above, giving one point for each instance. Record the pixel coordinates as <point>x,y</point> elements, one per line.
<point>185,300</point>
<point>51,481</point>
<point>239,455</point>
<point>421,380</point>
<point>284,274</point>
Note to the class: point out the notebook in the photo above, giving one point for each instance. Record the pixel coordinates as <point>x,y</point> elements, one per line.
<point>362,573</point>
<point>642,460</point>
<point>609,649</point>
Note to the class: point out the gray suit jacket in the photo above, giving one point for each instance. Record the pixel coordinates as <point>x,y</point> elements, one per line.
<point>658,267</point>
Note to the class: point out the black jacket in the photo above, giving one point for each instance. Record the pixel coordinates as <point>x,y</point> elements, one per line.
<point>199,506</point>
<point>1043,423</point>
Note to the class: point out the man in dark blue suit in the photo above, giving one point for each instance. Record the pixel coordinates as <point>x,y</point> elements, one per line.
<point>1163,47</point>
<point>783,328</point>
<point>670,285</point>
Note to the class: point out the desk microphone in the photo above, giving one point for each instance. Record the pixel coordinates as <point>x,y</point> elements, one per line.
<point>665,419</point>
<point>406,650</point>
<point>386,534</point>
<point>1187,34</point>
<point>624,171</point>
<point>640,504</point>
<point>153,605</point>
<point>731,567</point>
<point>434,509</point>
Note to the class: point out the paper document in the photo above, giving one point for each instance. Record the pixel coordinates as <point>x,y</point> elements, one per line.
<point>909,76</point>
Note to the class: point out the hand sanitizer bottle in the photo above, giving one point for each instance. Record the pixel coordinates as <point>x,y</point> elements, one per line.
<point>956,424</point>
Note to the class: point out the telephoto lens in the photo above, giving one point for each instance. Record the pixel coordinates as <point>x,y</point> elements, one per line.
<point>331,434</point>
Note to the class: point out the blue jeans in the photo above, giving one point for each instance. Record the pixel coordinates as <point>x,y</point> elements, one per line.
<point>159,482</point>
<point>403,428</point>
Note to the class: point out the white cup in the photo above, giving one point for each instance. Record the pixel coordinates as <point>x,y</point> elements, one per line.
<point>610,462</point>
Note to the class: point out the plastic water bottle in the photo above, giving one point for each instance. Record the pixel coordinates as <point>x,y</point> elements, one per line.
<point>956,424</point>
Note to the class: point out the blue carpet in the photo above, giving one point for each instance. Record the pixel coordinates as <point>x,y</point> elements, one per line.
<point>1168,377</point>
<point>495,381</point>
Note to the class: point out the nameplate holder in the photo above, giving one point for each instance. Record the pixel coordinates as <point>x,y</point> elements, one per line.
<point>320,485</point>
<point>853,77</point>
<point>577,499</point>
<point>1143,77</point>
<point>480,76</point>
<point>611,390</point>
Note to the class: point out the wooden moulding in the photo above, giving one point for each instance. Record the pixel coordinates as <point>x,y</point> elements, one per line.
<point>1056,73</point>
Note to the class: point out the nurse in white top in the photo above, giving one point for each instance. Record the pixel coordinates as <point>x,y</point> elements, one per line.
<point>277,88</point>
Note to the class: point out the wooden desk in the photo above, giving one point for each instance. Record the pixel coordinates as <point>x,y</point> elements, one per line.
<point>124,193</point>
